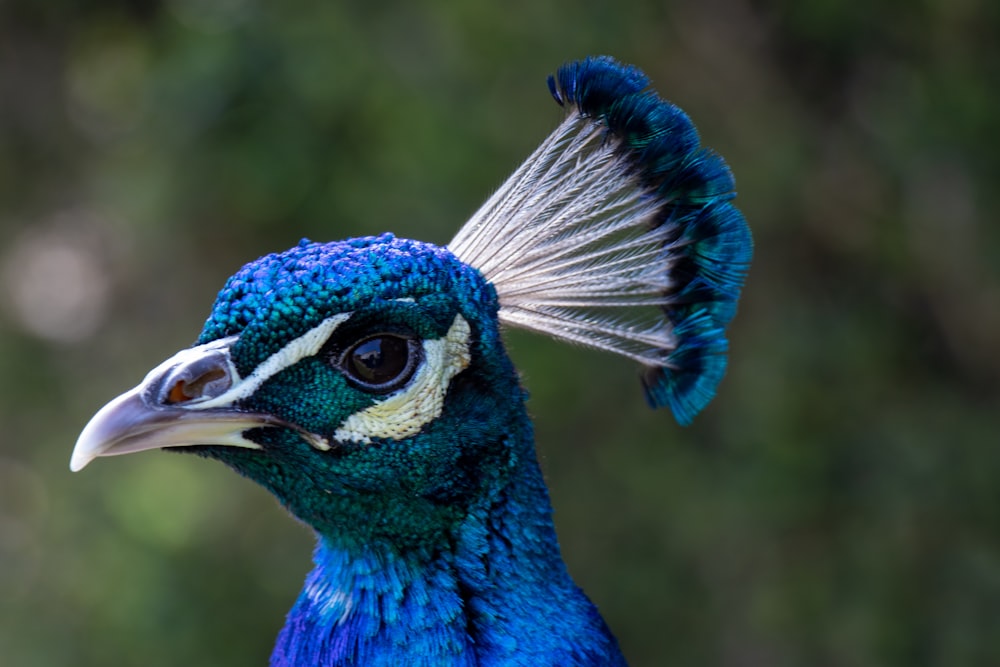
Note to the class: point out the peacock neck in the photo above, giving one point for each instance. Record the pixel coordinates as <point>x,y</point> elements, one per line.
<point>496,592</point>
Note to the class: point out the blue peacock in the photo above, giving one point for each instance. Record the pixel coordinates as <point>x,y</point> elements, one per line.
<point>365,384</point>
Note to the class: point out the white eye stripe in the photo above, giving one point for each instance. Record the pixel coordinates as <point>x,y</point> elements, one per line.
<point>295,351</point>
<point>403,413</point>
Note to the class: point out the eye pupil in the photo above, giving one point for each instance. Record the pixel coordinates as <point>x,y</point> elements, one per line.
<point>381,362</point>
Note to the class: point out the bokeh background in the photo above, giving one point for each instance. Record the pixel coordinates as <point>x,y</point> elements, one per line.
<point>837,505</point>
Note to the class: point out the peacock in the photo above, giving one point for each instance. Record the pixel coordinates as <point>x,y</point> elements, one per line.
<point>365,384</point>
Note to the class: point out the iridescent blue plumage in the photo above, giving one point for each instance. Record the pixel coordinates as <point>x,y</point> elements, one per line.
<point>434,550</point>
<point>365,384</point>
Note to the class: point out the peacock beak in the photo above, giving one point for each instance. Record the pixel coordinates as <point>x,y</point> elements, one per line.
<point>190,399</point>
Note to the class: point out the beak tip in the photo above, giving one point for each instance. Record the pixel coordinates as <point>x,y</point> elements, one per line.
<point>80,458</point>
<point>96,435</point>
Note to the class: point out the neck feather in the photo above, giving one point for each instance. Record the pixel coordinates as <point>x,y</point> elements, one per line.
<point>497,593</point>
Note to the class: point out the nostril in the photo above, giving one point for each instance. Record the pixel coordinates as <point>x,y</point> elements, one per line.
<point>191,378</point>
<point>205,385</point>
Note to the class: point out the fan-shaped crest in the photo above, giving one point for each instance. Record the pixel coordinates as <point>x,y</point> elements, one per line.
<point>617,233</point>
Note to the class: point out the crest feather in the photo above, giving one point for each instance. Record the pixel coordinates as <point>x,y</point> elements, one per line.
<point>617,233</point>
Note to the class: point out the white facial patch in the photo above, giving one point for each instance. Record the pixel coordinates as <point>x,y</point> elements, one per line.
<point>402,414</point>
<point>295,351</point>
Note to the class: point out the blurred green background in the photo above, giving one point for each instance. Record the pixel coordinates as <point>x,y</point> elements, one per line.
<point>837,505</point>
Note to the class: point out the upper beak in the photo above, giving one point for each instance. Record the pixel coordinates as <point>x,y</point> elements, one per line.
<point>183,401</point>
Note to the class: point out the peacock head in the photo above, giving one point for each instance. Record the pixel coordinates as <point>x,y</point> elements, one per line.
<point>362,382</point>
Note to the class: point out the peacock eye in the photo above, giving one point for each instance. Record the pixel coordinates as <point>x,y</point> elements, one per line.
<point>382,363</point>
